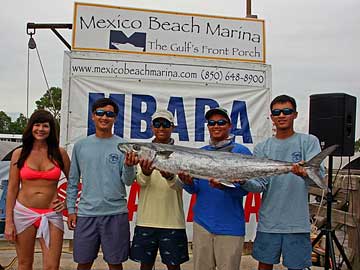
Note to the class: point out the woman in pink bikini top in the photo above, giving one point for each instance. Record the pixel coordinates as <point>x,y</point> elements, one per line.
<point>28,173</point>
<point>33,209</point>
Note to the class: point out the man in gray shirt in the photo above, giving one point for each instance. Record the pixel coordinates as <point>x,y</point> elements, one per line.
<point>101,217</point>
<point>284,226</point>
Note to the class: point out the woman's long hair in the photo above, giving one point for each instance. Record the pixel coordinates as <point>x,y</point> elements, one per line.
<point>41,116</point>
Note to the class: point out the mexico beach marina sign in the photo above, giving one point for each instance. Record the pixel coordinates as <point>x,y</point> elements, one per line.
<point>131,30</point>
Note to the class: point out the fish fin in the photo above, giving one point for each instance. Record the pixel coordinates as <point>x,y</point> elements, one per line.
<point>314,175</point>
<point>165,154</point>
<point>313,166</point>
<point>316,161</point>
<point>227,184</point>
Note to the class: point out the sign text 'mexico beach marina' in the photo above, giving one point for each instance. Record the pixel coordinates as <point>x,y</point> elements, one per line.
<point>118,29</point>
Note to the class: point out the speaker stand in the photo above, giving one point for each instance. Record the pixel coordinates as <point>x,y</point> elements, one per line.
<point>329,232</point>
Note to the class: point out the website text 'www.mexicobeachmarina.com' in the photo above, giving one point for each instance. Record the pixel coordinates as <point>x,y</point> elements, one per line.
<point>144,71</point>
<point>162,71</point>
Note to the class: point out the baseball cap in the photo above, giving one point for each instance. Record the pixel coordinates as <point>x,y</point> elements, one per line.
<point>163,114</point>
<point>217,110</point>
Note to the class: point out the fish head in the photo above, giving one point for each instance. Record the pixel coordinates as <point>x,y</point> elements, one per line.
<point>142,150</point>
<point>126,147</point>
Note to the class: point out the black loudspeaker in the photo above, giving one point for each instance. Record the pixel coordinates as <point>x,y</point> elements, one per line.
<point>332,120</point>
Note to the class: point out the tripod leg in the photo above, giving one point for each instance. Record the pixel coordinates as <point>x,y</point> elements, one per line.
<point>327,251</point>
<point>317,239</point>
<point>342,252</point>
<point>332,252</point>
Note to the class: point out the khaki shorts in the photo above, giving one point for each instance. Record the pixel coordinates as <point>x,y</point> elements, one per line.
<point>212,250</point>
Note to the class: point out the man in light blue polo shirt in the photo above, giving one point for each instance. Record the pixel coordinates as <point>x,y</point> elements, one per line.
<point>101,217</point>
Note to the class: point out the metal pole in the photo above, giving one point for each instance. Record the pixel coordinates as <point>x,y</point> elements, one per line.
<point>52,27</point>
<point>248,8</point>
<point>328,215</point>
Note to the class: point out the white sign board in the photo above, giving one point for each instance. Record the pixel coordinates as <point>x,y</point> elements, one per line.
<point>140,85</point>
<point>140,31</point>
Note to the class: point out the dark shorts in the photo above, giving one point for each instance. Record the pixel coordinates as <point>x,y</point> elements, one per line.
<point>172,244</point>
<point>294,247</point>
<point>112,233</point>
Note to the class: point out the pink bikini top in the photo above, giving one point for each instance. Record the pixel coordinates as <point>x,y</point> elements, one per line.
<point>27,173</point>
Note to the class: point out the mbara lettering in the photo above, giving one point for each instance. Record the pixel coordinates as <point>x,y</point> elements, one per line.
<point>239,117</point>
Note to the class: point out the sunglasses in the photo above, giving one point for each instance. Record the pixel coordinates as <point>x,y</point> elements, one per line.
<point>286,111</point>
<point>220,122</point>
<point>100,113</point>
<point>164,124</point>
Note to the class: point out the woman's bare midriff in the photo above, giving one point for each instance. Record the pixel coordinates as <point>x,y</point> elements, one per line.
<point>38,193</point>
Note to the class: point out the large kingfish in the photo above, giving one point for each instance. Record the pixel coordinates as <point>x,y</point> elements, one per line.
<point>223,166</point>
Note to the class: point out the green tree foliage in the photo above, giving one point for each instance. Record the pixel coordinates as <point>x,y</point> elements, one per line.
<point>19,125</point>
<point>357,145</point>
<point>45,102</point>
<point>5,122</point>
<point>53,105</point>
<point>9,127</point>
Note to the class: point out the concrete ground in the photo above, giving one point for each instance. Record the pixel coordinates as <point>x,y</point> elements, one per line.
<point>8,260</point>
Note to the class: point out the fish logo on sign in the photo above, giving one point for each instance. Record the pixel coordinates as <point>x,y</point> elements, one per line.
<point>119,40</point>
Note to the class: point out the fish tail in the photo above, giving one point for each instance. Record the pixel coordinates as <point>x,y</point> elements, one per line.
<point>312,167</point>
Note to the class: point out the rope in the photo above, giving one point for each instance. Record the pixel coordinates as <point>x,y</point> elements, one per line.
<point>314,227</point>
<point>27,83</point>
<point>10,265</point>
<point>32,45</point>
<point>46,81</point>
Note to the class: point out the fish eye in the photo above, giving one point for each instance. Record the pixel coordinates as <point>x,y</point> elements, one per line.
<point>136,147</point>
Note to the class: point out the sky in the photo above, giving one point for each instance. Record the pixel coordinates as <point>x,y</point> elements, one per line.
<point>312,46</point>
